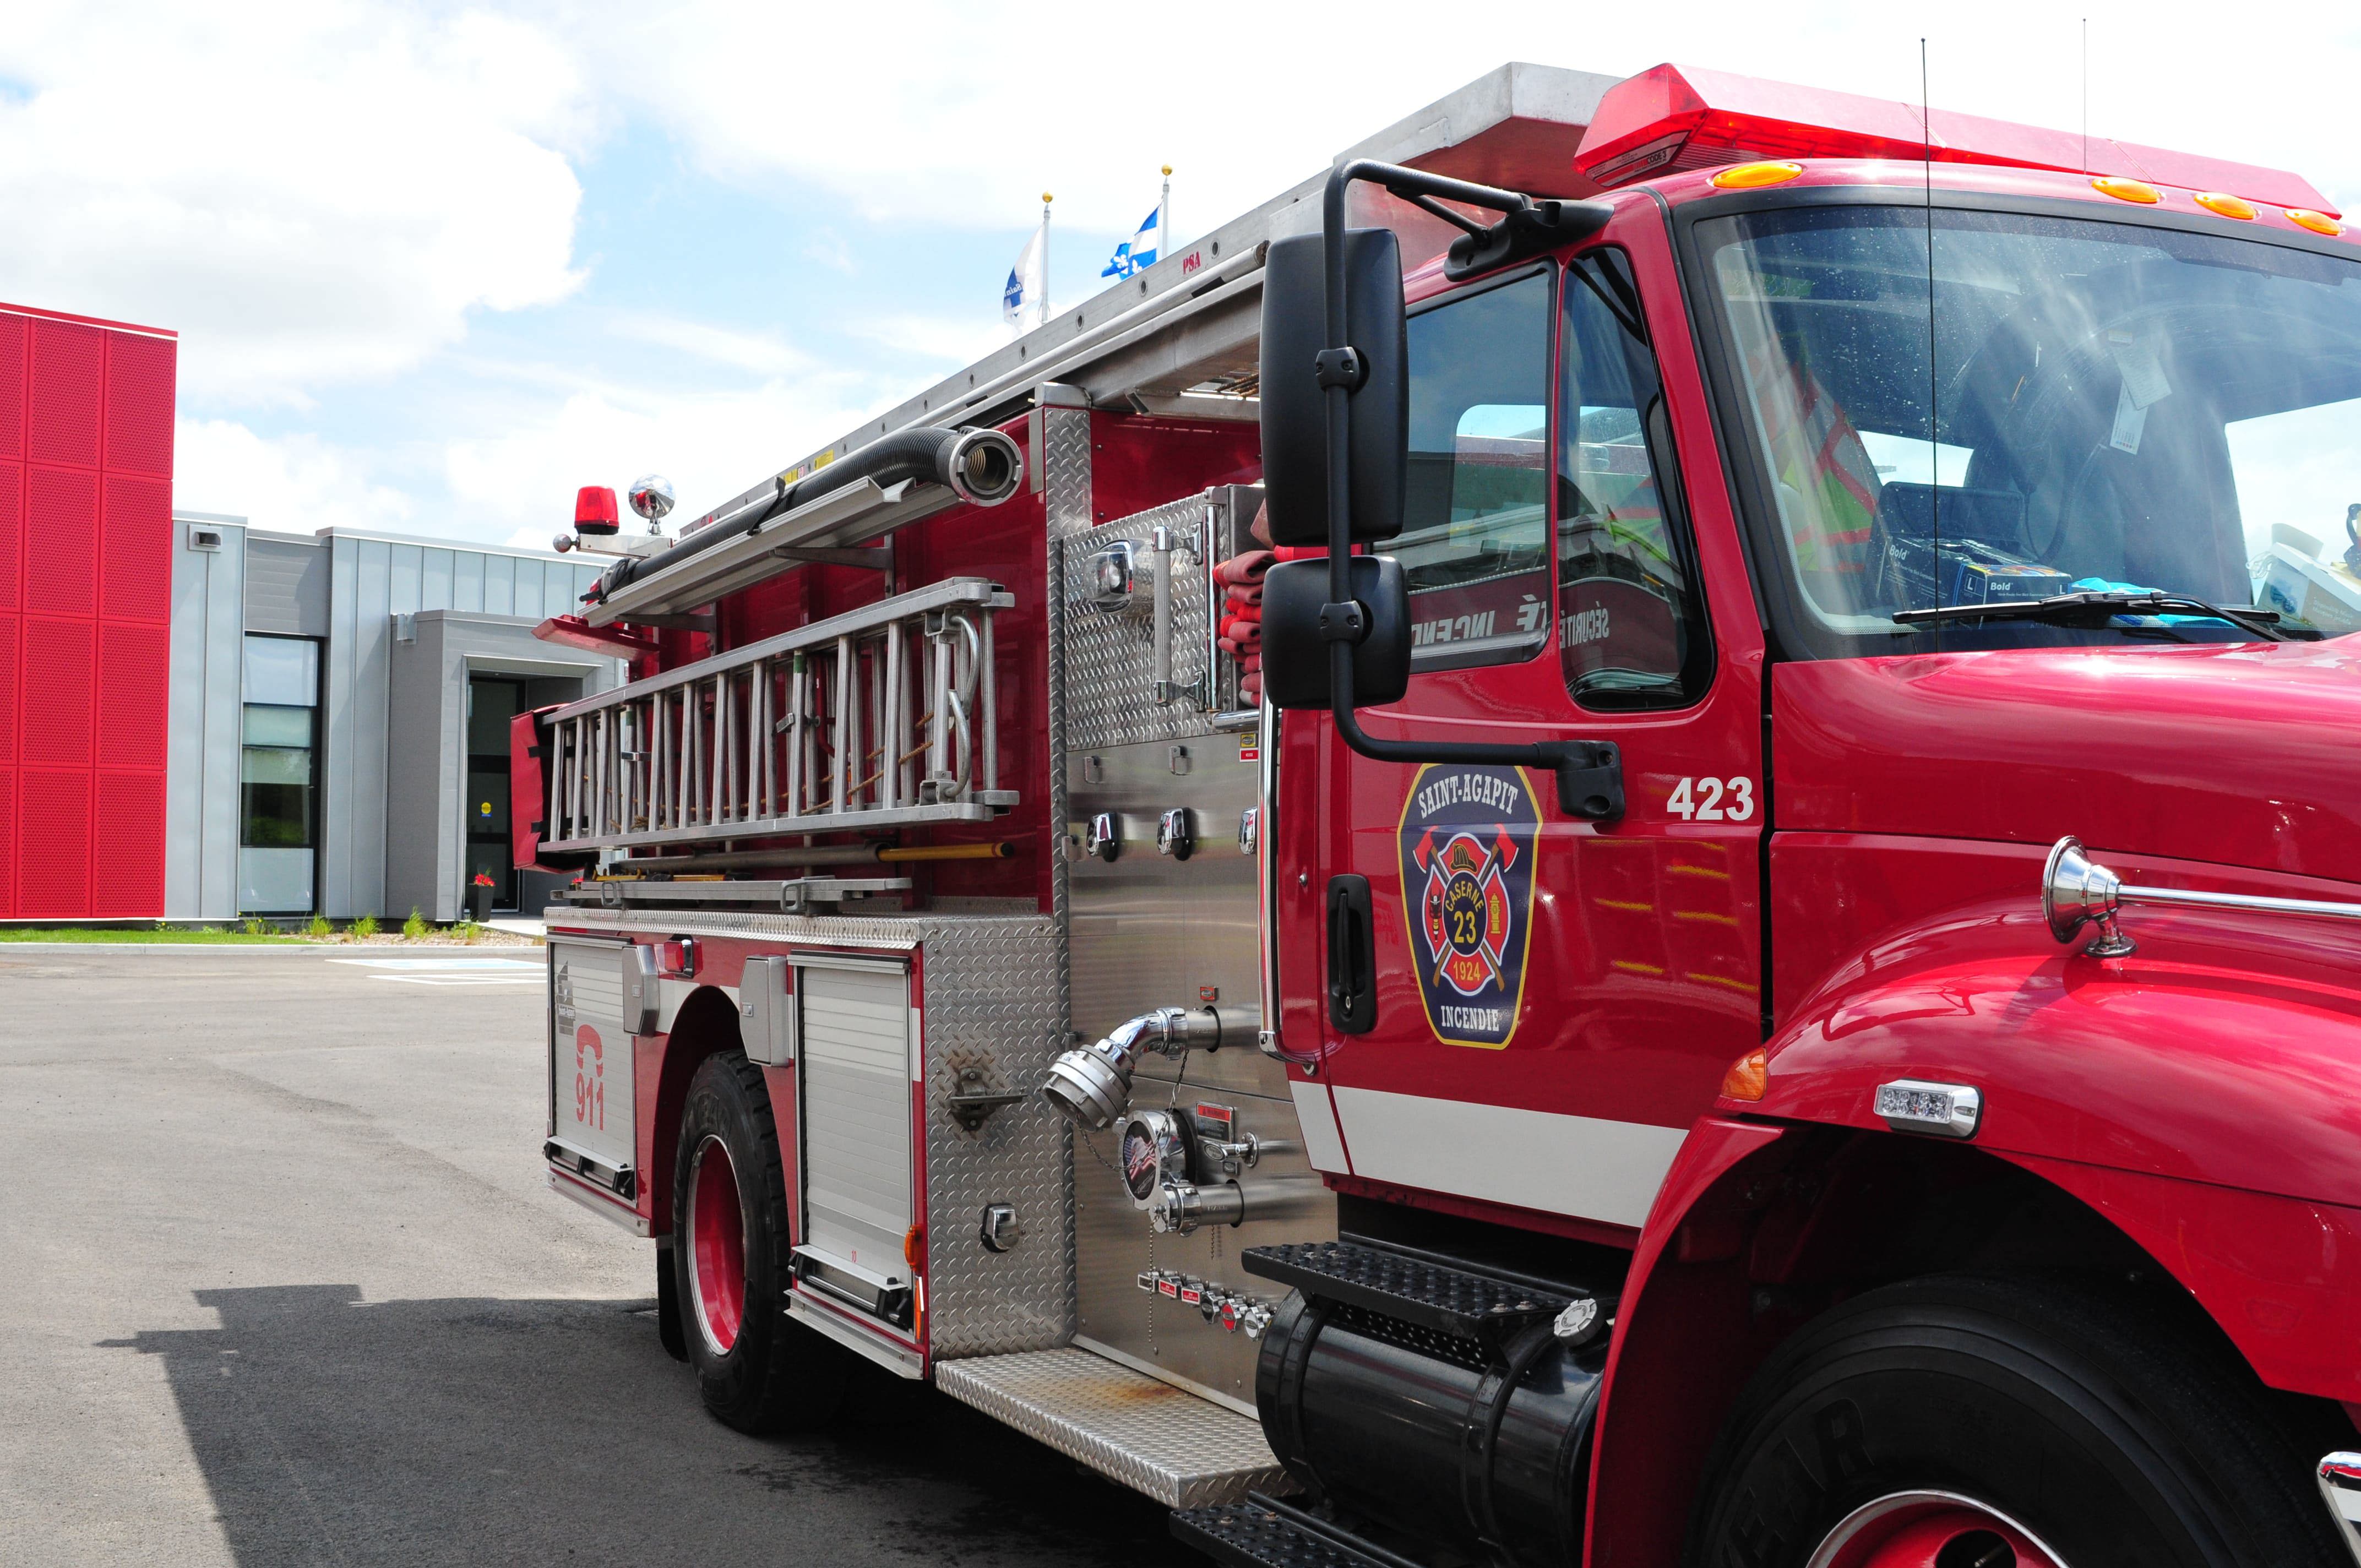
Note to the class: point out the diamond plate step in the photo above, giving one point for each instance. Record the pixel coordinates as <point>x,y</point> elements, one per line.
<point>1184,1451</point>
<point>1411,1289</point>
<point>1262,1532</point>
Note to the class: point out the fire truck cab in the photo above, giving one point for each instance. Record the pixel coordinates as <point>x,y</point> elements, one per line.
<point>1772,978</point>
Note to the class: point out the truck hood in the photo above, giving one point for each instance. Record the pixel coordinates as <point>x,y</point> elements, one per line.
<point>2240,755</point>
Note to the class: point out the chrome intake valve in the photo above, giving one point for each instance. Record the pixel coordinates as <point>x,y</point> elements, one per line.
<point>1179,1207</point>
<point>1091,1085</point>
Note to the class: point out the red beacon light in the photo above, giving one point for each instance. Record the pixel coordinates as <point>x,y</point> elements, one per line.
<point>594,511</point>
<point>1672,119</point>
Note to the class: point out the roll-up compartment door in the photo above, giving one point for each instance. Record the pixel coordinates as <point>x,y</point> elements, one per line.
<point>590,1105</point>
<point>857,1055</point>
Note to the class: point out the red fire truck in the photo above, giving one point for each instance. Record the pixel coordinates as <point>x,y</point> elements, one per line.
<point>1772,978</point>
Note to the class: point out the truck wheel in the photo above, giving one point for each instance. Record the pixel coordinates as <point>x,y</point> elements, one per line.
<point>759,1369</point>
<point>1973,1422</point>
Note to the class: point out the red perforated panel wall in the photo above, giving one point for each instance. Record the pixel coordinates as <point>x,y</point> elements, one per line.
<point>85,614</point>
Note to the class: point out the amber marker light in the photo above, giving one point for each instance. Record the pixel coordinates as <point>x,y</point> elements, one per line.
<point>2124,189</point>
<point>2318,222</point>
<point>1749,1077</point>
<point>2228,206</point>
<point>1755,176</point>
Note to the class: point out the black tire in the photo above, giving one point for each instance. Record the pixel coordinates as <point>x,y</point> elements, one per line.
<point>2113,1431</point>
<point>763,1371</point>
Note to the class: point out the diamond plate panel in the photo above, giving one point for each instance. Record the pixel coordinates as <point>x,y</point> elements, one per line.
<point>1183,1450</point>
<point>1066,469</point>
<point>992,1007</point>
<point>992,1003</point>
<point>1110,659</point>
<point>1066,511</point>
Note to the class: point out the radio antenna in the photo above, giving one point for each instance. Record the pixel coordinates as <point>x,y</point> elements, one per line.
<point>1934,387</point>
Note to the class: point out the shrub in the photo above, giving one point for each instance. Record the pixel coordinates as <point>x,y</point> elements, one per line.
<point>470,932</point>
<point>414,928</point>
<point>362,929</point>
<point>319,928</point>
<point>254,927</point>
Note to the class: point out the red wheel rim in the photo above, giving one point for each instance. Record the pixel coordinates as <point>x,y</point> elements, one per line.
<point>717,1241</point>
<point>1931,1529</point>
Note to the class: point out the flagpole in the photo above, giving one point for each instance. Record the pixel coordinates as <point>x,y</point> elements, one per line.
<point>1164,241</point>
<point>1046,199</point>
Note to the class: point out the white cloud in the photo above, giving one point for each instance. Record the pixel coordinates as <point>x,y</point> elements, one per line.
<point>963,113</point>
<point>519,483</point>
<point>763,353</point>
<point>945,342</point>
<point>296,484</point>
<point>330,192</point>
<point>311,192</point>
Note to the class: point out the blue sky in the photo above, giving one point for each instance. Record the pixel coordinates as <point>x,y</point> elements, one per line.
<point>437,265</point>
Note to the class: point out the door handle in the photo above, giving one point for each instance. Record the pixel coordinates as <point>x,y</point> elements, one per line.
<point>1352,956</point>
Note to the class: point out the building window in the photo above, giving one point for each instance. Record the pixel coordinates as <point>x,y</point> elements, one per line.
<point>278,777</point>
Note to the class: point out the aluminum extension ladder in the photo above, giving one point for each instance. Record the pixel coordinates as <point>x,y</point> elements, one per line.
<point>882,717</point>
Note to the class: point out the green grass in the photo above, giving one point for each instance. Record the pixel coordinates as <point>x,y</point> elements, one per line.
<point>415,926</point>
<point>191,934</point>
<point>364,927</point>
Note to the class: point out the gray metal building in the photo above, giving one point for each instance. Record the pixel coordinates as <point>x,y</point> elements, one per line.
<point>339,718</point>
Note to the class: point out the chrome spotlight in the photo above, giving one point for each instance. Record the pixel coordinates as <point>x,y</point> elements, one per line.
<point>651,497</point>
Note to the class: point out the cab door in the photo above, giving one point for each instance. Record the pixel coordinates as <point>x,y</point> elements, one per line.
<point>1522,1007</point>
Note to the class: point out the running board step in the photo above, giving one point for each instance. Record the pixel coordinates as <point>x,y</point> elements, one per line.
<point>1263,1532</point>
<point>1488,1309</point>
<point>1184,1451</point>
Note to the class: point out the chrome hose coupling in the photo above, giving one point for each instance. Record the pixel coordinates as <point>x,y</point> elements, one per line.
<point>1091,1085</point>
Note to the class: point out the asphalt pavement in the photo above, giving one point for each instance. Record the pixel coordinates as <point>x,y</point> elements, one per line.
<point>283,1283</point>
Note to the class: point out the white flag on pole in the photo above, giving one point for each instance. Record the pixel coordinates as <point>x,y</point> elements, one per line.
<point>1027,290</point>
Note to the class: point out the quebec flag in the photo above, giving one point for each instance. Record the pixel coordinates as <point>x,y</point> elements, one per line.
<point>1140,250</point>
<point>1026,284</point>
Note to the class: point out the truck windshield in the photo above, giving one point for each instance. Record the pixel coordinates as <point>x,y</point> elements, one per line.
<point>1977,406</point>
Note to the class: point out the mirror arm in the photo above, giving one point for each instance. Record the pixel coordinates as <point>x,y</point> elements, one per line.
<point>1589,772</point>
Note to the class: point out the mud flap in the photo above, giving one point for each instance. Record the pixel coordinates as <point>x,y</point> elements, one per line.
<point>668,1328</point>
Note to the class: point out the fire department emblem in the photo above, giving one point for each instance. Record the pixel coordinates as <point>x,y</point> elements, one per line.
<point>1468,840</point>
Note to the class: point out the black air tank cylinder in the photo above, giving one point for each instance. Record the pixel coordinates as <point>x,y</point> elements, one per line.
<point>1411,1427</point>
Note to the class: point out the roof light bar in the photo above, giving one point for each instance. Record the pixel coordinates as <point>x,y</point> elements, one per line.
<point>1675,118</point>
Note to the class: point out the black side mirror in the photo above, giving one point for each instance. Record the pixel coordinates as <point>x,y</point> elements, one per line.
<point>1295,650</point>
<point>1296,374</point>
<point>1335,403</point>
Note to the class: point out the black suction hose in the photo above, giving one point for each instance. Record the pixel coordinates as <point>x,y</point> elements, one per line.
<point>982,465</point>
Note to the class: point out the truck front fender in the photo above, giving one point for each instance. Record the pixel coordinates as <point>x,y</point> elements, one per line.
<point>2225,1050</point>
<point>2203,1094</point>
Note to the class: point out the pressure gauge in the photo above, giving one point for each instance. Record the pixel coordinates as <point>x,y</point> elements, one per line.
<point>1155,1150</point>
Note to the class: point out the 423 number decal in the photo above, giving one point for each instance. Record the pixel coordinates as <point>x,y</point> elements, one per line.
<point>1712,800</point>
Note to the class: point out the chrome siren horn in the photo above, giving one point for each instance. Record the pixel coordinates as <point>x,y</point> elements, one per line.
<point>2077,891</point>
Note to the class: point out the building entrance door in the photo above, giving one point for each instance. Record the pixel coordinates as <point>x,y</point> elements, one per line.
<point>491,703</point>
